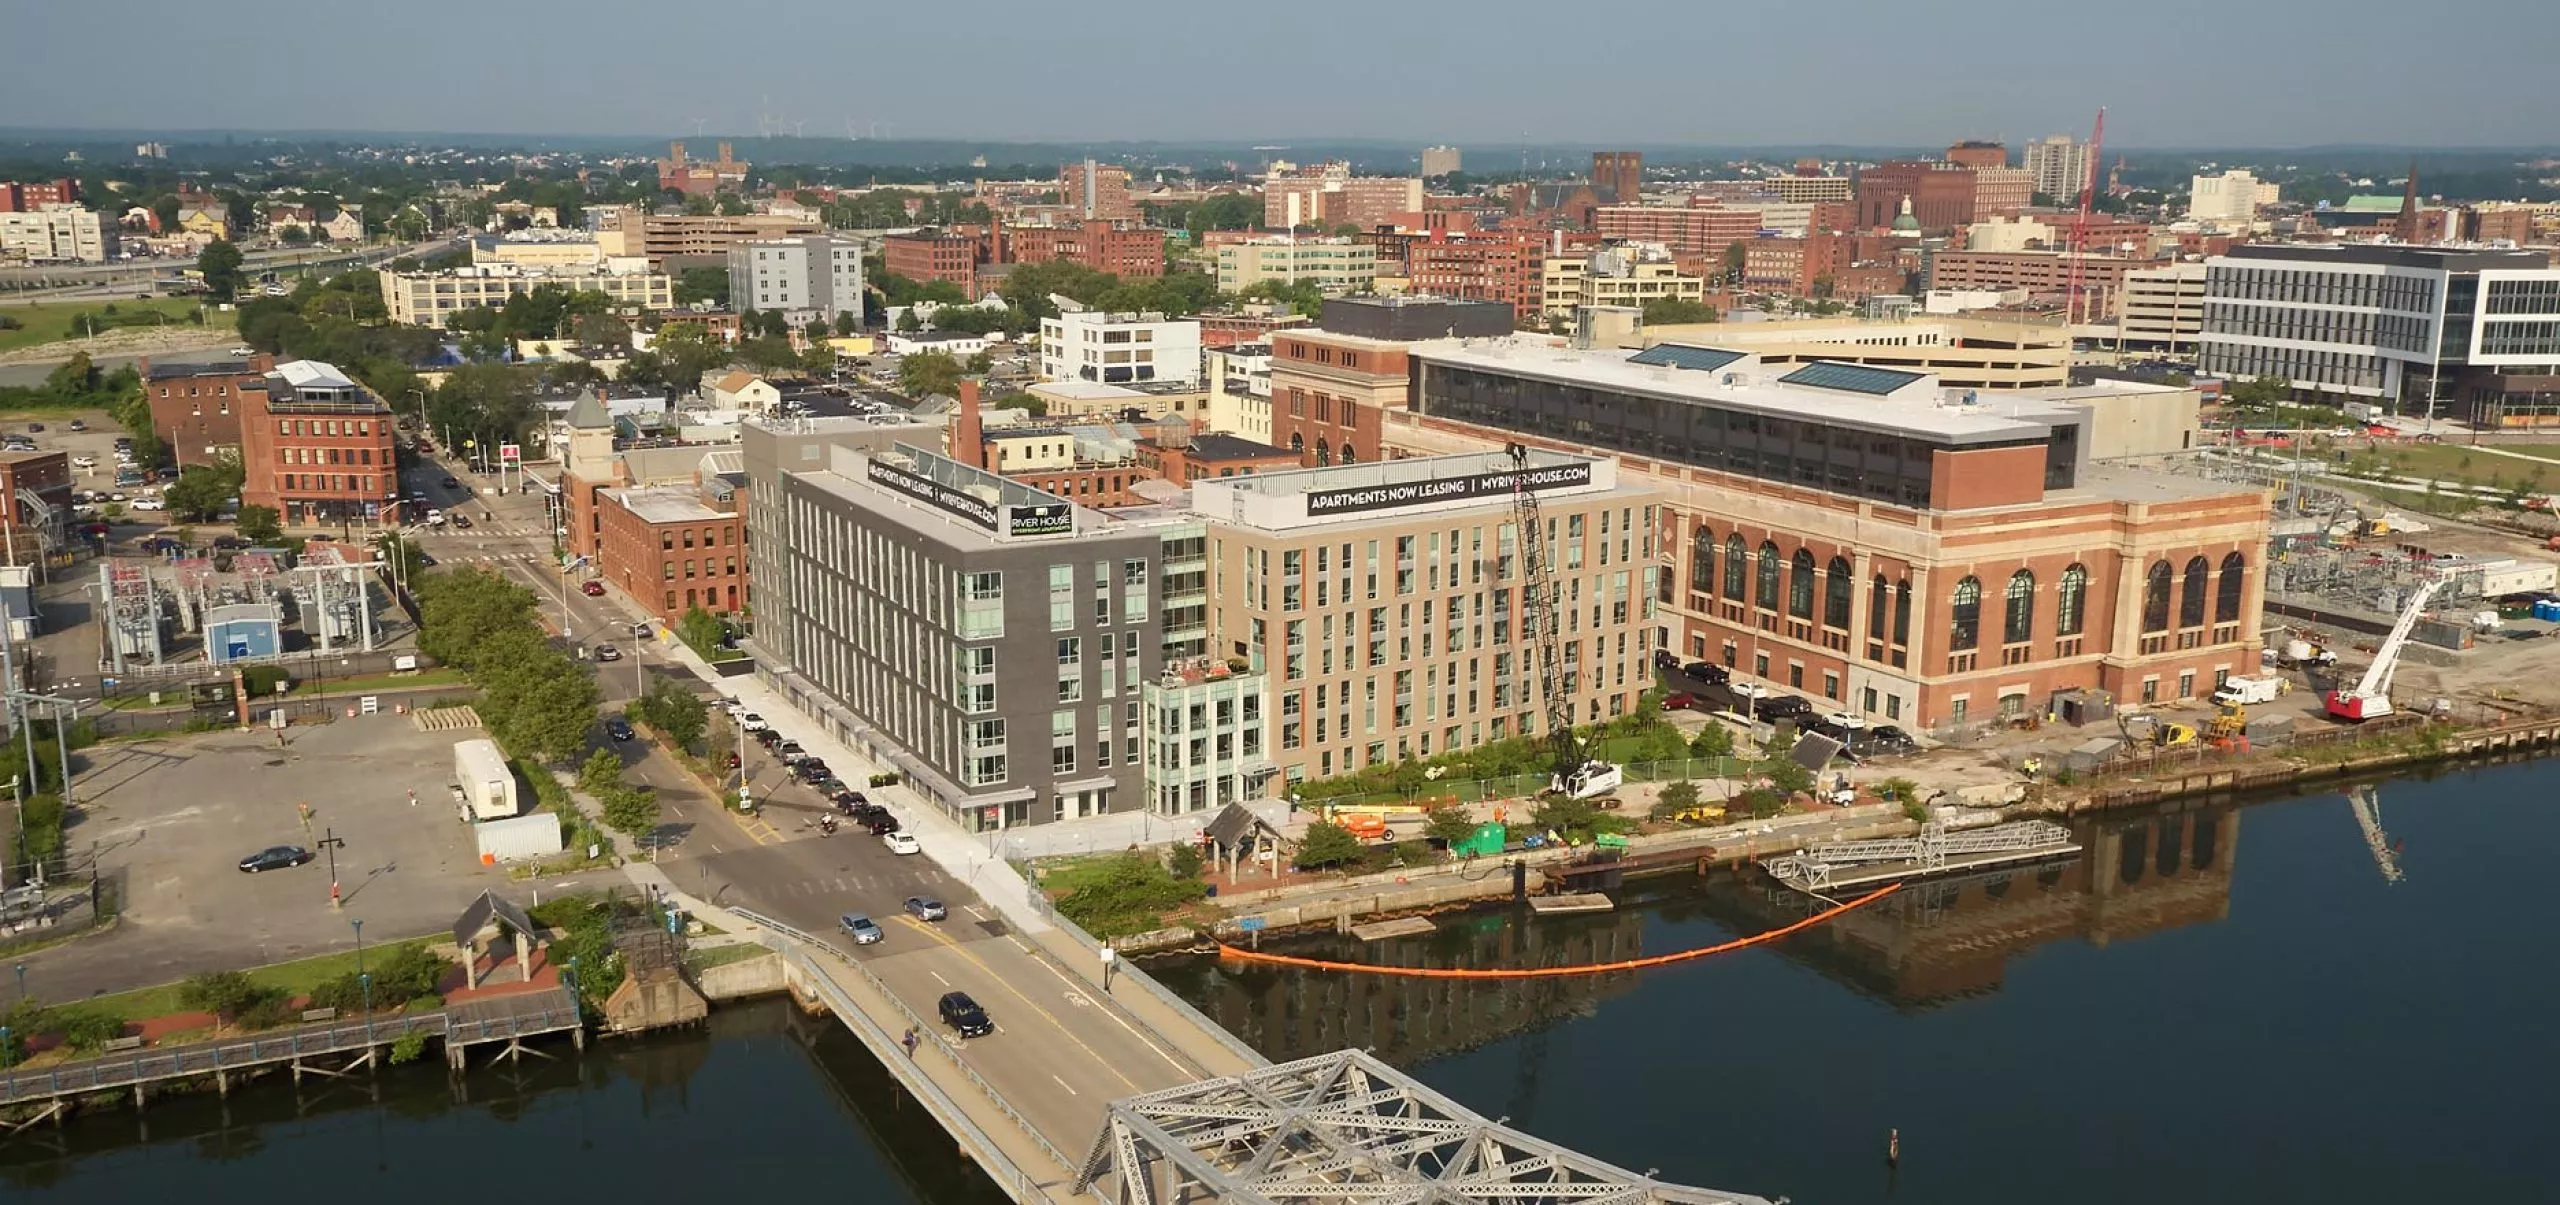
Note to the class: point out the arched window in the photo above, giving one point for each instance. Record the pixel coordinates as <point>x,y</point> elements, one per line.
<point>1324,453</point>
<point>1737,566</point>
<point>1702,561</point>
<point>2155,598</point>
<point>1902,612</point>
<point>2191,595</point>
<point>1800,585</point>
<point>2070,600</point>
<point>1297,442</point>
<point>1349,456</point>
<point>1964,620</point>
<point>2227,590</point>
<point>1766,597</point>
<point>1836,589</point>
<point>2018,618</point>
<point>1879,600</point>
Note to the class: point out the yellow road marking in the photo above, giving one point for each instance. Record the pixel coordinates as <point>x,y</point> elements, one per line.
<point>963,951</point>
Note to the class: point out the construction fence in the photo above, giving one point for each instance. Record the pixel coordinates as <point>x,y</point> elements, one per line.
<point>1523,786</point>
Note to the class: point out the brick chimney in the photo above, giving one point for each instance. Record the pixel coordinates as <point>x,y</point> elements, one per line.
<point>967,444</point>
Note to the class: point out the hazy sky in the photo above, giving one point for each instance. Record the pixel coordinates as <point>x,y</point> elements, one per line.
<point>1483,72</point>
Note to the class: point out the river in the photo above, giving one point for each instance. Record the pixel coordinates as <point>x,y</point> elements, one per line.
<point>2211,1004</point>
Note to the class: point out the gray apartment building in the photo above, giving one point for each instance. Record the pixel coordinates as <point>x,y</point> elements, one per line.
<point>804,277</point>
<point>987,639</point>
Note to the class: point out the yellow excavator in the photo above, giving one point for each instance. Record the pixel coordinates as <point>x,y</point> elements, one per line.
<point>2143,728</point>
<point>2230,723</point>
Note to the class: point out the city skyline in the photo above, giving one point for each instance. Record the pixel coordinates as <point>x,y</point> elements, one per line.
<point>2268,78</point>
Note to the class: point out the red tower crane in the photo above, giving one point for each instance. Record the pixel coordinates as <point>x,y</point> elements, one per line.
<point>2072,311</point>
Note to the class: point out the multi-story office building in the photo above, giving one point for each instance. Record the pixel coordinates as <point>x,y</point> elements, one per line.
<point>675,241</point>
<point>58,233</point>
<point>1096,191</point>
<point>1962,353</point>
<point>1703,227</point>
<point>1331,196</point>
<point>196,409</point>
<point>22,196</point>
<point>1440,161</point>
<point>1207,739</point>
<point>2428,329</point>
<point>1999,190</point>
<point>426,298</point>
<point>2041,274</point>
<point>1119,349</point>
<point>929,255</point>
<point>2163,307</point>
<point>2231,198</point>
<point>1383,602</point>
<point>1620,174</point>
<point>1848,532</point>
<point>317,447</point>
<point>1334,265</point>
<point>1327,391</point>
<point>1481,267</point>
<point>812,276</point>
<point>985,638</point>
<point>1807,190</point>
<point>1941,194</point>
<point>2060,165</point>
<point>1123,249</point>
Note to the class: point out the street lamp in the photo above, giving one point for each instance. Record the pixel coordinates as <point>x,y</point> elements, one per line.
<point>330,841</point>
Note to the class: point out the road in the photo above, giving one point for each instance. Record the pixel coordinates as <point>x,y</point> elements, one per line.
<point>71,282</point>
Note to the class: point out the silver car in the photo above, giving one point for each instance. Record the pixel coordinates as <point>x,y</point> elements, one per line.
<point>861,928</point>
<point>925,907</point>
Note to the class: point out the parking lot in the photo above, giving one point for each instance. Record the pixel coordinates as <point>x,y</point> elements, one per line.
<point>173,818</point>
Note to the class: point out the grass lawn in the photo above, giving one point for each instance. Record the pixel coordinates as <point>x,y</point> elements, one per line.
<point>48,322</point>
<point>1059,876</point>
<point>296,978</point>
<point>380,682</point>
<point>703,960</point>
<point>2459,462</point>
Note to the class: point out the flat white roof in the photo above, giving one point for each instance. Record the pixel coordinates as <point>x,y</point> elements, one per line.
<point>1753,389</point>
<point>312,374</point>
<point>1077,390</point>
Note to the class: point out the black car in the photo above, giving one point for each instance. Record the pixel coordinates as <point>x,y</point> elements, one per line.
<point>449,483</point>
<point>963,1014</point>
<point>274,857</point>
<point>768,738</point>
<point>1782,707</point>
<point>881,825</point>
<point>1708,672</point>
<point>461,520</point>
<point>618,728</point>
<point>1885,738</point>
<point>1665,659</point>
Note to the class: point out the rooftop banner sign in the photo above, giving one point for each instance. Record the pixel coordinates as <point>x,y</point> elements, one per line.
<point>957,503</point>
<point>1446,489</point>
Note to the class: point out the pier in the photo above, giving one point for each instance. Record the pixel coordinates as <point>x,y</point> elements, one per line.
<point>328,1048</point>
<point>1849,865</point>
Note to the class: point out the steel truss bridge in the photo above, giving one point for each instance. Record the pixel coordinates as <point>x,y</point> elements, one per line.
<point>1343,1129</point>
<point>1848,863</point>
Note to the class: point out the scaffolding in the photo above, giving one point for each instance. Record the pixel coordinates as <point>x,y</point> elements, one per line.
<point>1344,1129</point>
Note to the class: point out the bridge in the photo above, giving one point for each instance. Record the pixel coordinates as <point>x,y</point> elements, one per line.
<point>1935,850</point>
<point>1131,1097</point>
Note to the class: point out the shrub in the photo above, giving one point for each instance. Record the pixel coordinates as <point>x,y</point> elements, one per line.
<point>1449,825</point>
<point>1326,844</point>
<point>1712,741</point>
<point>225,994</point>
<point>424,1004</point>
<point>266,1012</point>
<point>1130,894</point>
<point>1675,798</point>
<point>1186,860</point>
<point>408,1046</point>
<point>85,1029</point>
<point>261,680</point>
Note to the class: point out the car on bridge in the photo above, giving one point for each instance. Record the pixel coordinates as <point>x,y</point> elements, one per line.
<point>924,907</point>
<point>862,929</point>
<point>963,1015</point>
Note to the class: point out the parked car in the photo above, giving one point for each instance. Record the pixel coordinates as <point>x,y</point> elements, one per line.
<point>924,907</point>
<point>149,503</point>
<point>1665,659</point>
<point>449,483</point>
<point>461,520</point>
<point>275,857</point>
<point>963,1015</point>
<point>606,652</point>
<point>1782,707</point>
<point>1886,738</point>
<point>618,728</point>
<point>79,424</point>
<point>244,351</point>
<point>84,462</point>
<point>591,588</point>
<point>862,929</point>
<point>766,737</point>
<point>1679,700</point>
<point>753,722</point>
<point>35,427</point>
<point>789,752</point>
<point>881,826</point>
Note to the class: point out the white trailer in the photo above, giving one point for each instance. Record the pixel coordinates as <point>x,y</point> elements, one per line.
<point>2250,690</point>
<point>484,785</point>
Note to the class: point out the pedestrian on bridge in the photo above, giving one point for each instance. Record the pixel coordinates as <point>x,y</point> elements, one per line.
<point>909,1041</point>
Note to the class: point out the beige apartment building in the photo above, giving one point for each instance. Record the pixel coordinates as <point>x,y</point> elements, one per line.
<point>428,298</point>
<point>1382,601</point>
<point>1330,264</point>
<point>1613,277</point>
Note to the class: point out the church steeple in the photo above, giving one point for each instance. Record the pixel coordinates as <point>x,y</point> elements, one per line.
<point>2405,228</point>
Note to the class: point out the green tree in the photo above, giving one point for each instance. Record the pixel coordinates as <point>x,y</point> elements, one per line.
<point>2261,393</point>
<point>908,323</point>
<point>1448,825</point>
<point>980,363</point>
<point>202,491</point>
<point>1784,775</point>
<point>847,322</point>
<point>1226,211</point>
<point>543,704</point>
<point>1733,260</point>
<point>1326,844</point>
<point>927,373</point>
<point>225,994</point>
<point>1675,798</point>
<point>688,350</point>
<point>632,811</point>
<point>701,631</point>
<point>678,713</point>
<point>766,353</point>
<point>600,773</point>
<point>601,330</point>
<point>702,285</point>
<point>258,524</point>
<point>1714,740</point>
<point>1675,311</point>
<point>220,264</point>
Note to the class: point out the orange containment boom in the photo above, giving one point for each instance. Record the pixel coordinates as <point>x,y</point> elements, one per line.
<point>1596,968</point>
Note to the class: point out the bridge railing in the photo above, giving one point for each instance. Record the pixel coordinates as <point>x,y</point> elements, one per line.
<point>1004,1171</point>
<point>1041,904</point>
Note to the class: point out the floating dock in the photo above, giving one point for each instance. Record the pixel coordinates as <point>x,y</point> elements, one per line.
<point>1566,905</point>
<point>1848,865</point>
<point>1403,926</point>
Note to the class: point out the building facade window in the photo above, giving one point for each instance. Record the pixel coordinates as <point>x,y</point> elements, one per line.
<point>1836,589</point>
<point>2018,615</point>
<point>2191,595</point>
<point>1702,561</point>
<point>2155,597</point>
<point>1800,585</point>
<point>1767,599</point>
<point>1964,618</point>
<point>2227,590</point>
<point>2070,599</point>
<point>1737,566</point>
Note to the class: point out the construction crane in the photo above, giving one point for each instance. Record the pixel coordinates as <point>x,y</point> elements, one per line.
<point>1574,774</point>
<point>2366,802</point>
<point>2073,310</point>
<point>2371,697</point>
